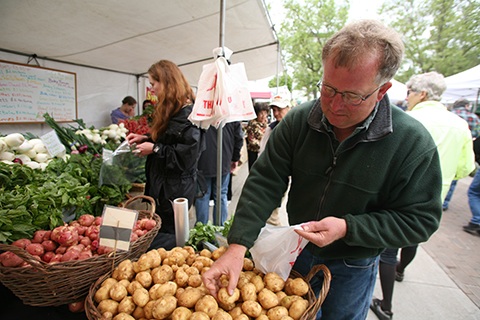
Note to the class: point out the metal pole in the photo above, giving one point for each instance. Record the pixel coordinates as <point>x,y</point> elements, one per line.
<point>220,127</point>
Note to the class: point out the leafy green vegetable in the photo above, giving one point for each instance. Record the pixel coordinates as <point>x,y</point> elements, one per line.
<point>206,232</point>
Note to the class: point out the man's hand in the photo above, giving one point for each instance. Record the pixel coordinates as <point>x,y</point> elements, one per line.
<point>230,264</point>
<point>325,231</point>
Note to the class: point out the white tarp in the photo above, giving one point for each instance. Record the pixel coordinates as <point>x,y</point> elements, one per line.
<point>129,36</point>
<point>398,91</point>
<point>463,85</point>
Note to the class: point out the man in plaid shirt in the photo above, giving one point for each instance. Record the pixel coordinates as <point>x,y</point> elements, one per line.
<point>461,109</point>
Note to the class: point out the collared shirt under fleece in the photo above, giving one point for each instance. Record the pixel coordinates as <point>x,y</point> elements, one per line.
<point>453,138</point>
<point>384,180</point>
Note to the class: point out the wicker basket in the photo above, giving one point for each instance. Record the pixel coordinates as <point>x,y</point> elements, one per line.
<point>138,187</point>
<point>57,284</point>
<point>310,314</point>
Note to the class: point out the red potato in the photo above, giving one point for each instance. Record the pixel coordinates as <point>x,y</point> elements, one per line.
<point>86,241</point>
<point>74,223</point>
<point>38,236</point>
<point>86,220</point>
<point>61,250</point>
<point>56,258</point>
<point>35,249</point>
<point>68,237</point>
<point>98,221</point>
<point>133,237</point>
<point>9,259</point>
<point>139,232</point>
<point>92,232</point>
<point>55,235</point>
<point>47,235</point>
<point>95,244</point>
<point>150,224</point>
<point>49,245</point>
<point>70,256</point>
<point>85,255</point>
<point>77,247</point>
<point>47,257</point>
<point>21,243</point>
<point>81,229</point>
<point>78,306</point>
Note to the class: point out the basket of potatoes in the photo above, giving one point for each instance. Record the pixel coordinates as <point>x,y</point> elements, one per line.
<point>167,285</point>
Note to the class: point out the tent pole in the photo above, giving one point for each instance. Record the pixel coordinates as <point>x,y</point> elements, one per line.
<point>220,127</point>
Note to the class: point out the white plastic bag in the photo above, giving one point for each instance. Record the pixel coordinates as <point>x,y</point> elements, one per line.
<point>277,248</point>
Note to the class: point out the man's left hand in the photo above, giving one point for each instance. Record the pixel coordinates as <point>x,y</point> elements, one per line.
<point>324,232</point>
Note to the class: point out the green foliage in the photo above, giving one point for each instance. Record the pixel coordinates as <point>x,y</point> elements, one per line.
<point>206,232</point>
<point>439,35</point>
<point>303,33</point>
<point>273,83</point>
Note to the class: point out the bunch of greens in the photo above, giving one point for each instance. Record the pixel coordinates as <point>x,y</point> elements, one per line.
<point>206,232</point>
<point>32,200</point>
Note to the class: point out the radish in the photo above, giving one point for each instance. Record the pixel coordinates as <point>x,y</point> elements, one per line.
<point>9,259</point>
<point>21,243</point>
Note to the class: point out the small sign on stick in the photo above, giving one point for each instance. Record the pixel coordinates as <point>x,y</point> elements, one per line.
<point>117,226</point>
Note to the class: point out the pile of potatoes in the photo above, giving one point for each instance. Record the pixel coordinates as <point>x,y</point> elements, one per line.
<point>168,285</point>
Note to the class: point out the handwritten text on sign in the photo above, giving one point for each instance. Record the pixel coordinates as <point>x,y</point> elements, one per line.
<point>28,92</point>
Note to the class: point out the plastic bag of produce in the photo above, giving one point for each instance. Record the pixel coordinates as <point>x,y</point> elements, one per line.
<point>277,248</point>
<point>122,166</point>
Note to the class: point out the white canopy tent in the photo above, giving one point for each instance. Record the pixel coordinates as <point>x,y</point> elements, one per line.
<point>122,38</point>
<point>398,91</point>
<point>463,85</point>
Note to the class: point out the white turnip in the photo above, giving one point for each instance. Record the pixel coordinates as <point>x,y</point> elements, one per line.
<point>14,140</point>
<point>21,243</point>
<point>35,249</point>
<point>9,259</point>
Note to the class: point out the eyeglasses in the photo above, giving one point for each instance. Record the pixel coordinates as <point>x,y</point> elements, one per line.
<point>351,98</point>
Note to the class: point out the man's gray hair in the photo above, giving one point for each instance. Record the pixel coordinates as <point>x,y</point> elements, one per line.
<point>461,103</point>
<point>431,82</point>
<point>364,38</point>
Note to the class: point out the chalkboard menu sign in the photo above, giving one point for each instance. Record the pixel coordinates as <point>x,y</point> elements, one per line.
<point>28,92</point>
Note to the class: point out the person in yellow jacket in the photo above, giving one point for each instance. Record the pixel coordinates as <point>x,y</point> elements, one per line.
<point>455,147</point>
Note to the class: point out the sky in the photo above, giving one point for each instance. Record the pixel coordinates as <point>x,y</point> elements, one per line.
<point>359,9</point>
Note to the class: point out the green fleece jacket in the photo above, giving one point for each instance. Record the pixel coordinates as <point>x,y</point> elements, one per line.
<point>384,180</point>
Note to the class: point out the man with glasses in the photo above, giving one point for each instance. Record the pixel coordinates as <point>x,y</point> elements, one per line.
<point>365,175</point>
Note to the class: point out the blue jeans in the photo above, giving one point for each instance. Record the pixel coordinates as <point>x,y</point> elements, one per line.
<point>449,194</point>
<point>351,288</point>
<point>202,207</point>
<point>474,198</point>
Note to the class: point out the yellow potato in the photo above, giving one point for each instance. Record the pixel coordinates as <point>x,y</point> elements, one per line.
<point>141,297</point>
<point>222,315</point>
<point>207,304</point>
<point>298,308</point>
<point>124,283</point>
<point>181,313</point>
<point>199,315</point>
<point>143,263</point>
<point>227,299</point>
<point>126,305</point>
<point>189,250</point>
<point>235,312</point>
<point>179,292</point>
<point>148,309</point>
<point>252,308</point>
<point>262,317</point>
<point>125,270</point>
<point>207,262</point>
<point>296,286</point>
<point>247,264</point>
<point>189,297</point>
<point>134,285</point>
<point>227,307</point>
<point>277,313</point>
<point>162,252</point>
<point>249,292</point>
<point>288,300</point>
<point>190,271</point>
<point>198,265</point>
<point>144,278</point>
<point>164,307</point>
<point>123,316</point>
<point>181,277</point>
<point>118,292</point>
<point>206,253</point>
<point>267,298</point>
<point>280,295</point>
<point>218,252</point>
<point>258,283</point>
<point>273,282</point>
<point>168,288</point>
<point>195,280</point>
<point>103,293</point>
<point>242,317</point>
<point>108,306</point>
<point>152,292</point>
<point>108,282</point>
<point>138,313</point>
<point>163,274</point>
<point>156,259</point>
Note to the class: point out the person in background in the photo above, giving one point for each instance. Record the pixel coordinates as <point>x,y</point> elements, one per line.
<point>172,149</point>
<point>364,175</point>
<point>255,131</point>
<point>125,111</point>
<point>280,108</point>
<point>145,104</point>
<point>232,142</point>
<point>461,109</point>
<point>454,142</point>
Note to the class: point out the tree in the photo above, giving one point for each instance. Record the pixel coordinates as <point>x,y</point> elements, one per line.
<point>273,83</point>
<point>439,35</point>
<point>303,34</point>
